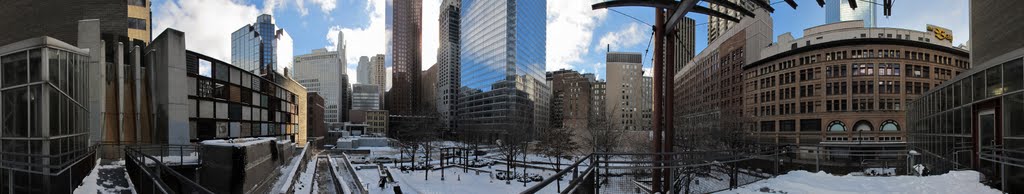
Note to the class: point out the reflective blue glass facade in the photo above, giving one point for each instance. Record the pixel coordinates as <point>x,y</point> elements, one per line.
<point>254,46</point>
<point>502,75</point>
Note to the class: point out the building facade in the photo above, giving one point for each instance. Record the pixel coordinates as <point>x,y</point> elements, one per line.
<point>261,46</point>
<point>378,73</point>
<point>119,18</point>
<point>363,70</point>
<point>403,55</point>
<point>376,121</point>
<point>448,79</point>
<point>838,91</point>
<point>428,91</point>
<point>625,90</point>
<point>839,11</point>
<point>45,110</point>
<point>684,43</point>
<point>570,99</point>
<point>325,73</point>
<point>315,126</point>
<point>973,121</point>
<point>502,71</point>
<point>366,97</point>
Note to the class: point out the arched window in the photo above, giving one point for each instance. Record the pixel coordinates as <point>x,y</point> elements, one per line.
<point>862,125</point>
<point>836,126</point>
<point>890,125</point>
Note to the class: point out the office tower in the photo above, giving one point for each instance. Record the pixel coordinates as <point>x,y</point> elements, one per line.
<point>261,46</point>
<point>448,59</point>
<point>625,90</point>
<point>684,44</point>
<point>404,24</point>
<point>365,97</point>
<point>428,91</point>
<point>570,99</point>
<point>647,106</point>
<point>839,10</point>
<point>363,71</point>
<point>125,20</point>
<point>502,71</point>
<point>324,72</point>
<point>378,73</point>
<point>718,26</point>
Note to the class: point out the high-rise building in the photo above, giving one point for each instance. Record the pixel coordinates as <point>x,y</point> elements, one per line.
<point>684,43</point>
<point>598,92</point>
<point>363,71</point>
<point>647,106</point>
<point>378,73</point>
<point>502,71</point>
<point>570,99</point>
<point>404,25</point>
<point>839,11</point>
<point>718,26</point>
<point>365,97</point>
<point>315,125</point>
<point>449,62</point>
<point>124,20</point>
<point>625,90</point>
<point>325,73</point>
<point>261,46</point>
<point>428,91</point>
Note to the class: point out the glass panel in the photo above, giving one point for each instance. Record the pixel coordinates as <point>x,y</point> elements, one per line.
<point>205,109</point>
<point>979,86</point>
<point>966,88</point>
<point>35,101</point>
<point>35,64</point>
<point>1013,110</point>
<point>55,128</point>
<point>1014,71</point>
<point>54,63</point>
<point>205,68</point>
<point>993,81</point>
<point>15,69</point>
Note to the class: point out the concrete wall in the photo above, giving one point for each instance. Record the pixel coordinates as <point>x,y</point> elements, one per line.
<point>241,168</point>
<point>995,29</point>
<point>168,69</point>
<point>59,18</point>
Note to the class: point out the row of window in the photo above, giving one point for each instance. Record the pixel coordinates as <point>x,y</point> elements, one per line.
<point>834,126</point>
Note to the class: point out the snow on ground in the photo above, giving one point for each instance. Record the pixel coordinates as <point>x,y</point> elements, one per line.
<point>456,181</point>
<point>807,182</point>
<point>94,183</point>
<point>305,184</point>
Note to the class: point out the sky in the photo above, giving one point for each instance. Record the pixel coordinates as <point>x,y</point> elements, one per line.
<point>578,37</point>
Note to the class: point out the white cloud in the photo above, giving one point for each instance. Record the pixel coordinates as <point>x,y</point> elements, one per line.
<point>325,5</point>
<point>207,24</point>
<point>430,37</point>
<point>368,41</point>
<point>625,38</point>
<point>570,26</point>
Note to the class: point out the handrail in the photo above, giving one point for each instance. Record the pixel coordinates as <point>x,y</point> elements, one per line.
<point>161,166</point>
<point>338,179</point>
<point>352,172</point>
<point>558,175</point>
<point>154,178</point>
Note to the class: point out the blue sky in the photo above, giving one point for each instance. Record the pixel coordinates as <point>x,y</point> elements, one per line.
<point>577,35</point>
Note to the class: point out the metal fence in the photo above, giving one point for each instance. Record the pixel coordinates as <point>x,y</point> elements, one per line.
<point>150,175</point>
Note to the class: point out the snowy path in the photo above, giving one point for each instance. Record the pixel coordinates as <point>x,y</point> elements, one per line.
<point>807,182</point>
<point>324,178</point>
<point>107,177</point>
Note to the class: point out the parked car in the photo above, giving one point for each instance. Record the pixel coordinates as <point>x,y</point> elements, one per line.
<point>382,160</point>
<point>358,159</point>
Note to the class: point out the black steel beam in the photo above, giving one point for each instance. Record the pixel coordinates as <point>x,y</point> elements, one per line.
<point>713,13</point>
<point>733,6</point>
<point>683,7</point>
<point>764,5</point>
<point>664,4</point>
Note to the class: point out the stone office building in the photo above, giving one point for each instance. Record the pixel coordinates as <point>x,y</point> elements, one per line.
<point>840,92</point>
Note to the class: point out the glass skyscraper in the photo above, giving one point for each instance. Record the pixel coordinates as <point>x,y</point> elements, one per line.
<point>839,10</point>
<point>259,45</point>
<point>502,76</point>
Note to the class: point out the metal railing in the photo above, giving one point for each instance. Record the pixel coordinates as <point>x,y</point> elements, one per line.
<point>1001,155</point>
<point>173,155</point>
<point>631,172</point>
<point>149,175</point>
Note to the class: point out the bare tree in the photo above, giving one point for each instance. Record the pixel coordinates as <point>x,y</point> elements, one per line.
<point>602,135</point>
<point>556,143</point>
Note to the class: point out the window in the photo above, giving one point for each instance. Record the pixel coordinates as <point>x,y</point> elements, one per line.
<point>863,125</point>
<point>787,125</point>
<point>15,69</point>
<point>136,23</point>
<point>205,68</point>
<point>993,82</point>
<point>889,125</point>
<point>836,126</point>
<point>1014,71</point>
<point>137,2</point>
